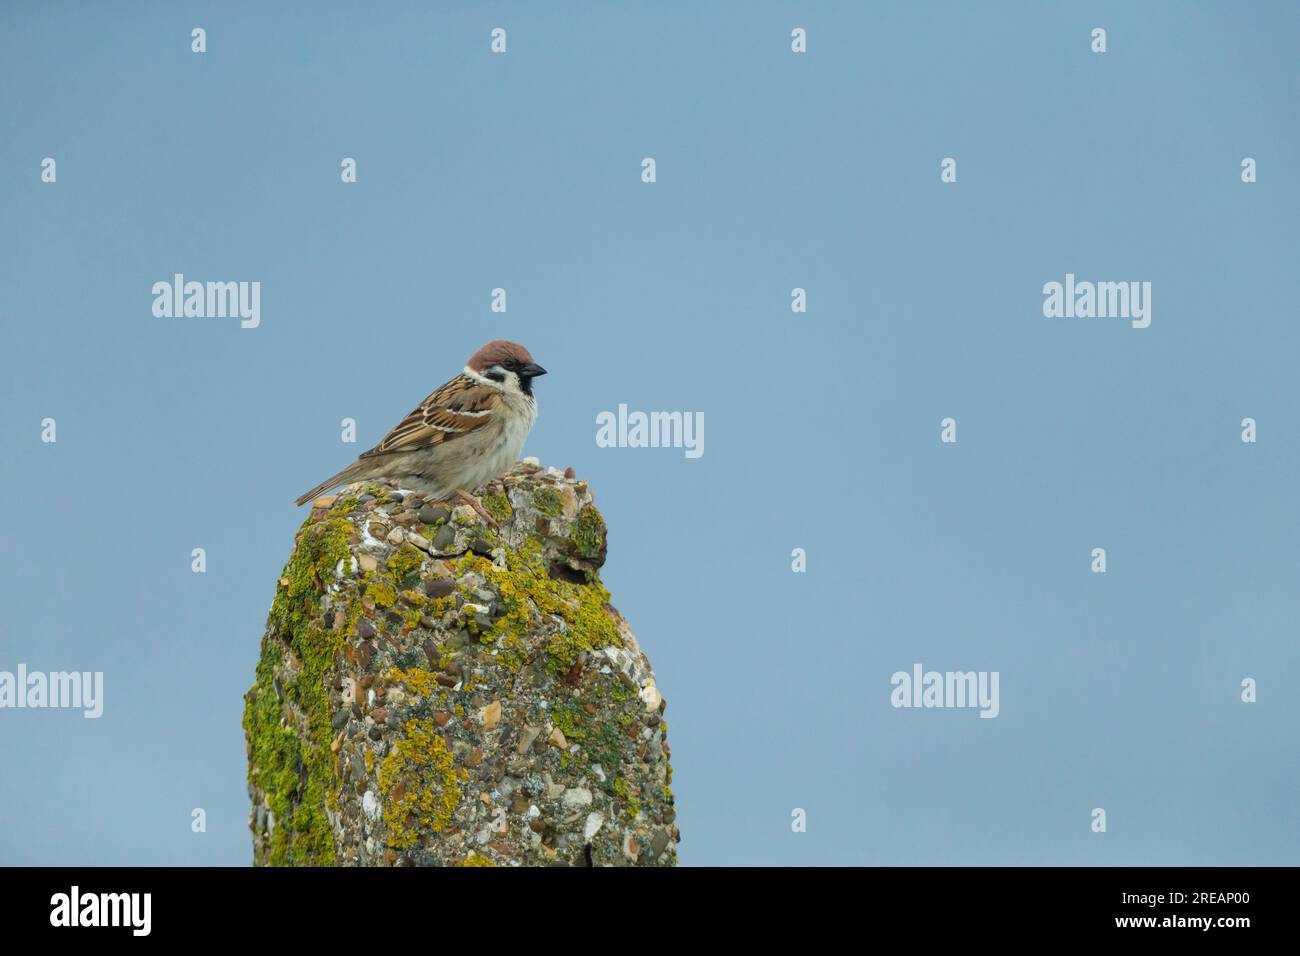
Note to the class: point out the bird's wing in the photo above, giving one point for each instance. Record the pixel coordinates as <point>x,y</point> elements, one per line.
<point>457,408</point>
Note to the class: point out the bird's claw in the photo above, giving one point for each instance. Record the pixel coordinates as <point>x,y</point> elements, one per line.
<point>477,505</point>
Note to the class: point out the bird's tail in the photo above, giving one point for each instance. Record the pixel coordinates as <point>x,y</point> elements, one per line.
<point>348,474</point>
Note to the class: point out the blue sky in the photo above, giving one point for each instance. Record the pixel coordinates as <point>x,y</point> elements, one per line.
<point>774,171</point>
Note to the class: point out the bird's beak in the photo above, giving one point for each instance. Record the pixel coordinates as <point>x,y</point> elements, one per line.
<point>532,371</point>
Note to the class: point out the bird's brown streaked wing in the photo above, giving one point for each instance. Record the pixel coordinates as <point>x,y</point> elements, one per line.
<point>455,409</point>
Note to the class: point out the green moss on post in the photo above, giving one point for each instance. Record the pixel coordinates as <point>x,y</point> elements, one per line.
<point>498,506</point>
<point>588,533</point>
<point>297,773</point>
<point>548,501</point>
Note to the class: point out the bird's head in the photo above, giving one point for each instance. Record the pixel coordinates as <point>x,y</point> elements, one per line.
<point>507,364</point>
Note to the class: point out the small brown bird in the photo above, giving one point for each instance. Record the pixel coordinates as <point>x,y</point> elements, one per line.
<point>466,433</point>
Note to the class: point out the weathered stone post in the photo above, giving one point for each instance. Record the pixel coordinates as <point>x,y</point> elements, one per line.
<point>434,691</point>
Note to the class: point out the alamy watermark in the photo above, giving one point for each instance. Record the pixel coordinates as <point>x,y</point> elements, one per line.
<point>1098,300</point>
<point>208,300</point>
<point>75,908</point>
<point>651,430</point>
<point>922,688</point>
<point>81,690</point>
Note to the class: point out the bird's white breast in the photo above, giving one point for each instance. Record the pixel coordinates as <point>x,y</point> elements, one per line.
<point>500,450</point>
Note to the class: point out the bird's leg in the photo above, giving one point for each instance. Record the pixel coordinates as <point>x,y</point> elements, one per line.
<point>477,505</point>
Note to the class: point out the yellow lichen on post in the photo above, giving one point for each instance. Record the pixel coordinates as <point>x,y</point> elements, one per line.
<point>418,784</point>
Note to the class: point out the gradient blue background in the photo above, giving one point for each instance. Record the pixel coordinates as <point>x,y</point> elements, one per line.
<point>822,430</point>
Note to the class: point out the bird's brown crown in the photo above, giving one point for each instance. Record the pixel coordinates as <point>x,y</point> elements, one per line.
<point>498,352</point>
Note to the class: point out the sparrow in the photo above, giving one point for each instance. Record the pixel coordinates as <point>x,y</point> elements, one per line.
<point>466,433</point>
